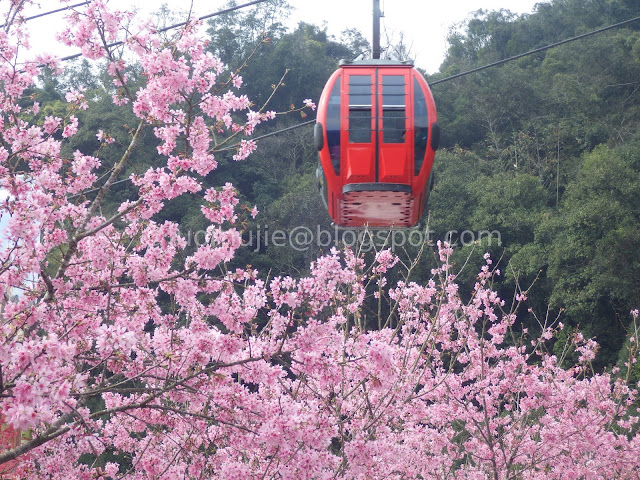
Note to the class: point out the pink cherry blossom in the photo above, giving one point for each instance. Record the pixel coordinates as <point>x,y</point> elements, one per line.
<point>71,128</point>
<point>128,353</point>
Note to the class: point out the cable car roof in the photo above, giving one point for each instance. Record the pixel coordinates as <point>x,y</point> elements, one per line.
<point>375,62</point>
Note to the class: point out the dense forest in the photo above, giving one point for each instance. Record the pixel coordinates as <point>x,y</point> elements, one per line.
<point>541,154</point>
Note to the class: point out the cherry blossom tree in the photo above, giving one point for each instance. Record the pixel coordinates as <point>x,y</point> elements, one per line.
<point>121,358</point>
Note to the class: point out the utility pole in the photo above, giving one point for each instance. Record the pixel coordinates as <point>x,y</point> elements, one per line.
<point>376,29</point>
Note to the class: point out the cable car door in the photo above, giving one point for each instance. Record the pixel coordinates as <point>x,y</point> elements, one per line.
<point>377,126</point>
<point>360,161</point>
<point>393,159</point>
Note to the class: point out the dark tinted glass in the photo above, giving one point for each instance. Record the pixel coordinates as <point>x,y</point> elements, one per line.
<point>359,125</point>
<point>360,80</point>
<point>333,125</point>
<point>360,90</point>
<point>393,126</point>
<point>393,111</point>
<point>421,125</point>
<point>393,90</point>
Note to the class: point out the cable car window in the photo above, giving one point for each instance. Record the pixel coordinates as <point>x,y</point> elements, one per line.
<point>359,126</point>
<point>333,126</point>
<point>421,125</point>
<point>393,109</point>
<point>393,126</point>
<point>360,91</point>
<point>393,91</point>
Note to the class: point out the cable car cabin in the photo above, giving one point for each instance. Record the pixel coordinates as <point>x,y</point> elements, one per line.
<point>376,132</point>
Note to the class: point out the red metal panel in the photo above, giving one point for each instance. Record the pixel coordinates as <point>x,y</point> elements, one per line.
<point>393,164</point>
<point>360,166</point>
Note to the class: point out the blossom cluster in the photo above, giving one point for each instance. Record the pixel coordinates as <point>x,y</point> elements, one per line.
<point>124,354</point>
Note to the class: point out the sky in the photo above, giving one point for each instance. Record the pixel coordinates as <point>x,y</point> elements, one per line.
<point>424,23</point>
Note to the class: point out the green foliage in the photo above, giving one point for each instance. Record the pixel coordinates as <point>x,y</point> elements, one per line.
<point>589,248</point>
<point>451,201</point>
<point>597,225</point>
<point>511,204</point>
<point>629,370</point>
<point>564,349</point>
<point>235,34</point>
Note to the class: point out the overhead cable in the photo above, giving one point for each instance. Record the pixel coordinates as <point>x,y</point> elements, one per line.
<point>44,14</point>
<point>276,132</point>
<point>254,139</point>
<point>537,50</point>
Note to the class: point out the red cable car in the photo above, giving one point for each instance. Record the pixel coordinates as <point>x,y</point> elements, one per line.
<point>376,133</point>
